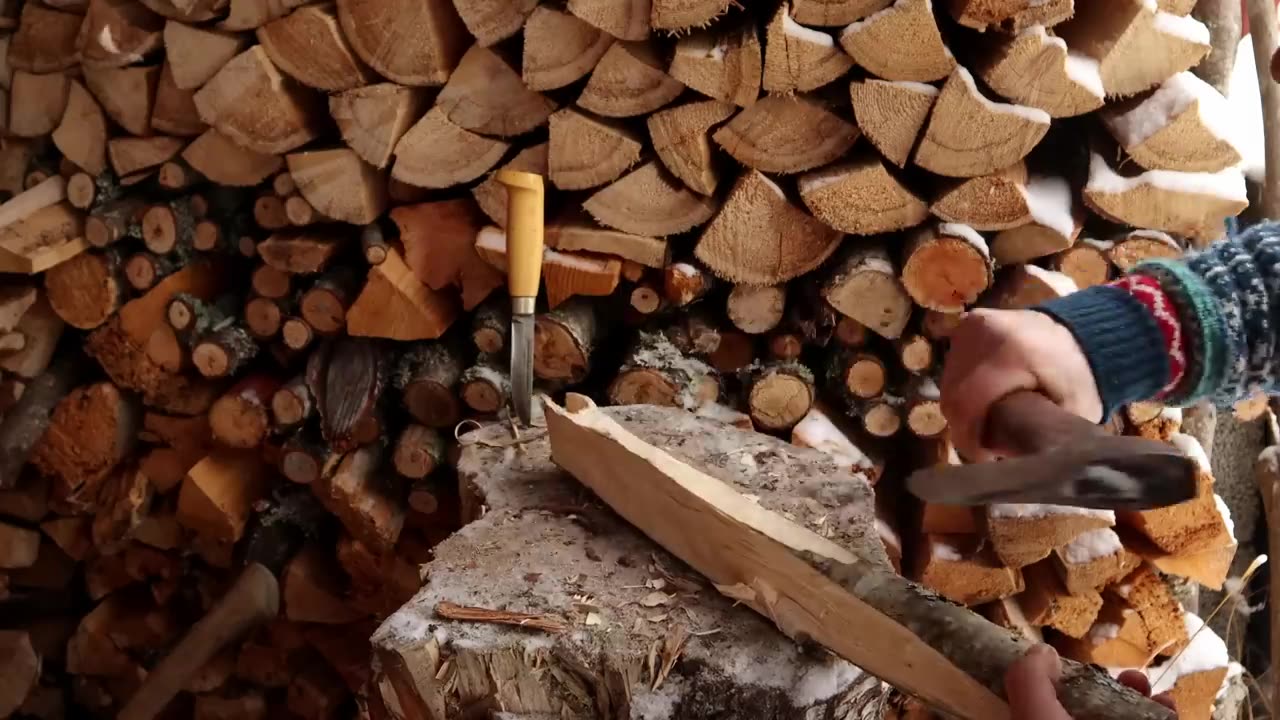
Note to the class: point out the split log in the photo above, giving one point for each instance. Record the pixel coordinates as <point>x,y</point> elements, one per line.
<point>372,119</point>
<point>486,95</point>
<point>1126,252</point>
<point>559,49</point>
<point>311,588</point>
<point>881,418</point>
<point>195,54</point>
<point>302,252</point>
<point>1085,263</point>
<point>45,41</point>
<point>798,58</point>
<point>225,162</point>
<point>564,340</point>
<point>583,235</point>
<point>427,377</point>
<point>373,244</point>
<point>861,198</point>
<point>436,153</point>
<point>193,317</point>
<point>915,352</point>
<point>339,185</point>
<point>988,202</point>
<point>218,494</point>
<point>779,396</point>
<point>173,110</point>
<point>864,286</point>
<point>85,192</point>
<point>491,195</point>
<point>308,46</point>
<point>629,80</point>
<point>726,65</point>
<point>1183,126</point>
<point>305,458</point>
<point>946,268</point>
<point>412,43</point>
<point>439,241</point>
<point>394,304</point>
<point>1023,286</point>
<point>347,377</point>
<point>1012,14</point>
<point>81,136</point>
<point>490,326</point>
<point>1191,204</point>
<point>587,152</point>
<point>299,212</point>
<point>292,404</point>
<point>892,114</point>
<point>649,201</point>
<point>1056,222</point>
<point>42,239</point>
<point>116,33</point>
<point>492,22</point>
<point>177,174</point>
<point>484,387</point>
<point>91,431</point>
<point>786,135</point>
<point>239,418</point>
<point>126,94</point>
<point>367,500</point>
<point>37,103</point>
<point>133,155</point>
<point>1136,45</point>
<point>168,228</point>
<point>246,15</point>
<point>143,270</point>
<point>685,14</point>
<point>969,135</point>
<point>681,137</point>
<point>25,423</point>
<point>656,372</point>
<point>623,19</point>
<point>223,352</point>
<point>756,309</point>
<point>113,222</point>
<point>785,242</point>
<point>646,299</point>
<point>1038,70</point>
<point>901,42</point>
<point>250,102</point>
<point>324,305</point>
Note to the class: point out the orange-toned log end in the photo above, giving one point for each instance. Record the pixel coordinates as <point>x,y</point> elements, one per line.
<point>945,273</point>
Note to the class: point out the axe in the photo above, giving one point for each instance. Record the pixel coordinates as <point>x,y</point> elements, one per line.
<point>1062,459</point>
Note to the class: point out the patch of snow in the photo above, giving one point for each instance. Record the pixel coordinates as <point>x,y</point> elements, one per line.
<point>685,270</point>
<point>1092,545</point>
<point>1049,200</point>
<point>1227,184</point>
<point>1183,27</point>
<point>1123,590</point>
<point>441,635</point>
<point>1234,670</point>
<point>407,625</point>
<point>961,231</point>
<point>492,238</point>
<point>796,30</point>
<point>716,52</point>
<point>1205,652</point>
<point>919,87</point>
<point>1060,283</point>
<point>108,41</point>
<point>1158,236</point>
<point>817,431</point>
<point>1172,414</point>
<point>928,389</point>
<point>1030,114</point>
<point>1191,447</point>
<point>657,704</point>
<point>1032,511</point>
<point>942,550</point>
<point>1225,512</point>
<point>1103,245</point>
<point>1245,101</point>
<point>1102,632</point>
<point>860,25</point>
<point>822,681</point>
<point>878,265</point>
<point>569,260</point>
<point>1170,100</point>
<point>1085,72</point>
<point>826,176</point>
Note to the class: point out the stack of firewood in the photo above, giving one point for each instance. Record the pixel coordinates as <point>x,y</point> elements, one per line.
<point>265,252</point>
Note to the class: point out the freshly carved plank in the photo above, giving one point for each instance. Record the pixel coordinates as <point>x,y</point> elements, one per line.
<point>373,118</point>
<point>786,135</point>
<point>249,101</point>
<point>485,95</point>
<point>681,137</point>
<point>414,42</point>
<point>308,46</point>
<point>969,135</point>
<point>435,153</point>
<point>892,114</point>
<point>901,42</point>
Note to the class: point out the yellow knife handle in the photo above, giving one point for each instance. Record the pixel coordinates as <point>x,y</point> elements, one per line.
<point>525,201</point>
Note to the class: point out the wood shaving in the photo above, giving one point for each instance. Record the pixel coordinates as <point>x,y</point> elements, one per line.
<point>672,647</point>
<point>659,618</point>
<point>547,623</point>
<point>654,599</point>
<point>592,618</point>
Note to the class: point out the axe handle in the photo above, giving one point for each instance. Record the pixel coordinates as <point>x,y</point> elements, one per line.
<point>1027,422</point>
<point>254,598</point>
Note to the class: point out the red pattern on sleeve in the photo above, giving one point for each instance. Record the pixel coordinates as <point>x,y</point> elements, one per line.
<point>1147,291</point>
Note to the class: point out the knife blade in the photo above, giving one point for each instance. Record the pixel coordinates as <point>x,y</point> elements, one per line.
<point>525,201</point>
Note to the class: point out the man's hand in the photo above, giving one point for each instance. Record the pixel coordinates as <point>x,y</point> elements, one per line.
<point>1030,685</point>
<point>998,352</point>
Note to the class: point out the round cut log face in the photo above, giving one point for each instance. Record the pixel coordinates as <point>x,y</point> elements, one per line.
<point>945,273</point>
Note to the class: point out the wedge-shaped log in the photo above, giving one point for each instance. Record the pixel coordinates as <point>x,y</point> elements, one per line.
<point>1014,14</point>
<point>797,58</point>
<point>564,274</point>
<point>786,135</point>
<point>248,14</point>
<point>1185,125</point>
<point>373,118</point>
<point>987,202</point>
<point>130,155</point>
<point>588,152</point>
<point>174,109</point>
<point>892,114</point>
<point>485,95</point>
<point>864,285</point>
<point>81,137</point>
<point>439,241</point>
<point>1128,250</point>
<point>789,572</point>
<point>191,12</point>
<point>396,305</point>
<point>623,19</point>
<point>630,79</point>
<point>835,12</point>
<point>195,54</point>
<point>412,42</point>
<point>683,14</point>
<point>759,237</point>
<point>1023,286</point>
<point>127,94</point>
<point>1191,204</point>
<point>969,135</point>
<point>117,33</point>
<point>339,184</point>
<point>649,201</point>
<point>1037,69</point>
<point>436,153</point>
<point>254,105</point>
<point>861,198</point>
<point>681,137</point>
<point>492,21</point>
<point>559,49</point>
<point>946,268</point>
<point>724,64</point>
<point>1137,46</point>
<point>225,162</point>
<point>45,41</point>
<point>901,42</point>
<point>308,45</point>
<point>1054,222</point>
<point>491,195</point>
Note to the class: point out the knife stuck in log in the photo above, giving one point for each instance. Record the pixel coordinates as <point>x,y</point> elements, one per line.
<point>525,201</point>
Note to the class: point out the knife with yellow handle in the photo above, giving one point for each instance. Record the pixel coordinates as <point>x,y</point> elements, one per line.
<point>525,201</point>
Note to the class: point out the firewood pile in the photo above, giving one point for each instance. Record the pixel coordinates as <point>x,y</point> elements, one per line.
<point>256,249</point>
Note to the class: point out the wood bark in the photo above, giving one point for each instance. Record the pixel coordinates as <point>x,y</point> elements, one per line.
<point>681,137</point>
<point>224,351</point>
<point>725,65</point>
<point>168,228</point>
<point>564,340</point>
<point>308,45</point>
<point>347,377</point>
<point>490,326</point>
<point>239,419</point>
<point>629,80</point>
<point>786,135</point>
<point>366,498</point>
<point>485,388</point>
<point>656,372</point>
<point>1223,20</point>
<point>412,43</point>
<point>427,377</point>
<point>780,395</point>
<point>864,286</point>
<point>24,424</point>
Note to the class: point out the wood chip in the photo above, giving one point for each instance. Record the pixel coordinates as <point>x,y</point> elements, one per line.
<point>547,623</point>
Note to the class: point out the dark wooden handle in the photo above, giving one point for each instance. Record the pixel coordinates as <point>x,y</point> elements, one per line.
<point>1027,422</point>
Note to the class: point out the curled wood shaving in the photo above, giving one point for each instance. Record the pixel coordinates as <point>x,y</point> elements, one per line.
<point>547,623</point>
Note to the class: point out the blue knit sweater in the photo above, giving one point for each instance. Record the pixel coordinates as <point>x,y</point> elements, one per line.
<point>1226,300</point>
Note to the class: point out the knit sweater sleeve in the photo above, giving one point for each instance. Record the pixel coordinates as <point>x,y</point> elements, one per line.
<point>1180,331</point>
